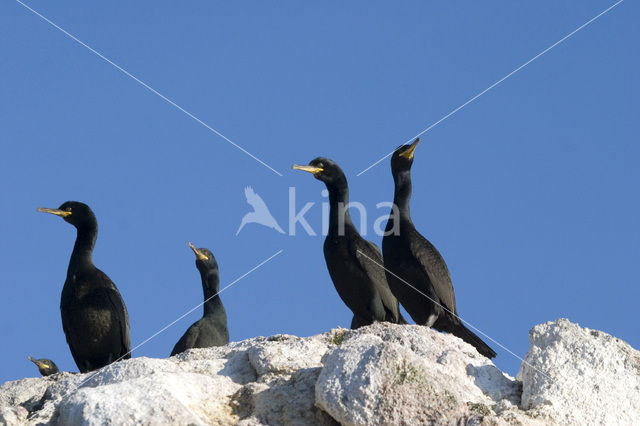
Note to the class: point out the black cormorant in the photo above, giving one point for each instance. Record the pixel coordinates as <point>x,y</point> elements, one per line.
<point>411,260</point>
<point>94,317</point>
<point>211,329</point>
<point>360,283</point>
<point>46,367</point>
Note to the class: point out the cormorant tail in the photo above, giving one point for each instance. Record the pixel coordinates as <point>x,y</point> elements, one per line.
<point>469,336</point>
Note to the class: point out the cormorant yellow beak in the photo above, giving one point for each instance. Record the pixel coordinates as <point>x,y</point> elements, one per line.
<point>310,169</point>
<point>57,212</point>
<point>199,255</point>
<point>39,364</point>
<point>409,152</point>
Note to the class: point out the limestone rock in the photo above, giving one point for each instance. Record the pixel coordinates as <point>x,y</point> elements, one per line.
<point>380,374</point>
<point>385,374</point>
<point>574,375</point>
<point>13,415</point>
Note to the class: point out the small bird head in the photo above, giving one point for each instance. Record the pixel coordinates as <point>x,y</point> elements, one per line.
<point>204,259</point>
<point>74,212</point>
<point>402,158</point>
<point>325,170</point>
<point>208,268</point>
<point>46,367</point>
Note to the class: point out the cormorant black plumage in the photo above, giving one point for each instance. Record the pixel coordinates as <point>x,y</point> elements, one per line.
<point>46,367</point>
<point>211,329</point>
<point>361,283</point>
<point>94,317</point>
<point>411,260</point>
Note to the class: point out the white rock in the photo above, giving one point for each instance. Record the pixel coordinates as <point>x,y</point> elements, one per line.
<point>575,375</point>
<point>13,415</point>
<point>26,392</point>
<point>381,374</point>
<point>274,357</point>
<point>390,374</point>
<point>284,401</point>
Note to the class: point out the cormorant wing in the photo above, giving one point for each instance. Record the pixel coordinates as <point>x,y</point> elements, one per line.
<point>111,293</point>
<point>67,333</point>
<point>188,339</point>
<point>370,259</point>
<point>103,292</point>
<point>435,267</point>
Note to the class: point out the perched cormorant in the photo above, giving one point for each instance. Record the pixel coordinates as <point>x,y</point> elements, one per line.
<point>361,284</point>
<point>46,367</point>
<point>94,317</point>
<point>211,329</point>
<point>411,260</point>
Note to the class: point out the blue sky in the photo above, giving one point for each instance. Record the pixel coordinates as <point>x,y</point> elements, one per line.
<point>530,192</point>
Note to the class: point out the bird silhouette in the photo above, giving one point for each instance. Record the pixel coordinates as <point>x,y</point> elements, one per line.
<point>260,213</point>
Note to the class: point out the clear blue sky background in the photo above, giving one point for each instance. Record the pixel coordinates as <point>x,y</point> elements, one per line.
<point>530,193</point>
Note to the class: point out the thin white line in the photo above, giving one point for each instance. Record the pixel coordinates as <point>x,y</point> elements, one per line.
<point>175,321</point>
<point>497,82</point>
<point>456,315</point>
<point>145,85</point>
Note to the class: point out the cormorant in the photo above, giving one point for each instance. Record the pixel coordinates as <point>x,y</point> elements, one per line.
<point>211,329</point>
<point>411,260</point>
<point>361,284</point>
<point>94,317</point>
<point>46,367</point>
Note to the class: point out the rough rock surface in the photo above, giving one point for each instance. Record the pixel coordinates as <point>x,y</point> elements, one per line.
<point>380,374</point>
<point>574,375</point>
<point>402,375</point>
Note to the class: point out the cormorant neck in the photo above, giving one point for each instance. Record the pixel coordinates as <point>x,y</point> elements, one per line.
<point>339,216</point>
<point>210,289</point>
<point>402,192</point>
<point>83,248</point>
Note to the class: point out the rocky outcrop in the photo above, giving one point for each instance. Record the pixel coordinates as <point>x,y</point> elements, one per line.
<point>381,374</point>
<point>574,375</point>
<point>402,375</point>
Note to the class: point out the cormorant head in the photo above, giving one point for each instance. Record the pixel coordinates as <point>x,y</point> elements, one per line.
<point>205,262</point>
<point>325,170</point>
<point>74,212</point>
<point>402,158</point>
<point>46,367</point>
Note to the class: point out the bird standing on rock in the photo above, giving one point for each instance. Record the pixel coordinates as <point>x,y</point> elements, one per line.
<point>46,367</point>
<point>211,329</point>
<point>361,284</point>
<point>94,318</point>
<point>417,274</point>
